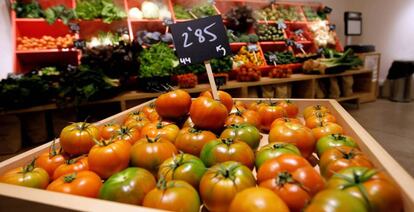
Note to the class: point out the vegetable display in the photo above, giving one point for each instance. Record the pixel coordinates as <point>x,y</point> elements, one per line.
<point>218,173</point>
<point>45,42</point>
<point>104,9</point>
<point>269,33</point>
<point>200,11</point>
<point>245,57</point>
<point>279,12</point>
<point>240,18</point>
<point>285,57</point>
<point>152,66</point>
<point>335,62</point>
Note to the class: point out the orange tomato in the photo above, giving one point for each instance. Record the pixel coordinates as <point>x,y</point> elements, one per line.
<point>326,129</point>
<point>291,108</point>
<point>174,104</point>
<point>225,98</point>
<point>285,120</point>
<point>191,140</point>
<point>70,166</point>
<point>83,183</point>
<point>109,130</point>
<point>245,116</point>
<point>128,133</point>
<point>49,161</point>
<point>318,118</point>
<point>108,157</point>
<point>208,114</point>
<point>258,200</point>
<point>268,113</point>
<point>164,129</point>
<point>310,110</point>
<point>78,138</point>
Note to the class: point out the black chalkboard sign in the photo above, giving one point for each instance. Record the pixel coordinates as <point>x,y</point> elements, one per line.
<point>200,40</point>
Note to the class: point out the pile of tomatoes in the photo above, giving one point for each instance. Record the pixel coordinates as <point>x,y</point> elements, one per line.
<point>248,73</point>
<point>178,154</point>
<point>45,42</point>
<point>280,72</point>
<point>187,80</point>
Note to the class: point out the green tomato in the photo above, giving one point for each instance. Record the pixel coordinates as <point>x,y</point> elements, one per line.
<point>335,200</point>
<point>333,140</point>
<point>128,186</point>
<point>244,132</point>
<point>274,150</point>
<point>184,167</point>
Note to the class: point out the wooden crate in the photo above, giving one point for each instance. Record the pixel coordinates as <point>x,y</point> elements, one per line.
<point>29,198</point>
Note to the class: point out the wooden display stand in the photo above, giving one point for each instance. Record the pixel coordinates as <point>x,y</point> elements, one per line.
<point>32,199</point>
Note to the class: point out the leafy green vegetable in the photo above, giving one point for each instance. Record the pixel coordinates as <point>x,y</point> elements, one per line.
<point>60,11</point>
<point>157,61</point>
<point>200,11</point>
<point>104,9</point>
<point>221,65</point>
<point>285,57</point>
<point>334,62</point>
<point>27,10</point>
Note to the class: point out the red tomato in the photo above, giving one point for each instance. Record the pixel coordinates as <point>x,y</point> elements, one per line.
<point>70,166</point>
<point>220,184</point>
<point>284,120</point>
<point>174,104</point>
<point>191,140</point>
<point>28,176</point>
<point>108,157</point>
<point>291,108</point>
<point>326,129</point>
<point>49,161</point>
<point>109,130</point>
<point>292,178</point>
<point>208,114</point>
<point>338,158</point>
<point>175,195</point>
<point>84,183</point>
<point>268,113</point>
<point>78,138</point>
<point>245,116</point>
<point>166,130</point>
<point>318,118</point>
<point>225,98</point>
<point>129,134</point>
<point>296,134</point>
<point>258,200</point>
<point>150,153</point>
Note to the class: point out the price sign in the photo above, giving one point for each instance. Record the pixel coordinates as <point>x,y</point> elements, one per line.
<point>327,10</point>
<point>74,27</point>
<point>200,40</point>
<point>289,42</point>
<point>252,48</point>
<point>299,32</point>
<point>281,24</point>
<point>168,21</point>
<point>273,58</point>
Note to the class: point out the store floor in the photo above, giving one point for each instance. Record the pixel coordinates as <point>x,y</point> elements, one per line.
<point>390,123</point>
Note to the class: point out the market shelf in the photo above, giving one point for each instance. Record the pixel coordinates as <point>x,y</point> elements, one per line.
<point>45,51</point>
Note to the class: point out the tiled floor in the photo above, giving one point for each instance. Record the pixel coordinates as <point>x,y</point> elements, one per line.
<point>390,123</point>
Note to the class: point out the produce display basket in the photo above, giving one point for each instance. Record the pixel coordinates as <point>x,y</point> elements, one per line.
<point>23,198</point>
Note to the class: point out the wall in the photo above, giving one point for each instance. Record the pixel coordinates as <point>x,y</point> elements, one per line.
<point>389,26</point>
<point>6,57</point>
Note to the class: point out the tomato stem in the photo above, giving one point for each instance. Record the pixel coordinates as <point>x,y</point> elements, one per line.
<point>283,178</point>
<point>29,167</point>
<point>69,178</point>
<point>278,146</point>
<point>227,141</point>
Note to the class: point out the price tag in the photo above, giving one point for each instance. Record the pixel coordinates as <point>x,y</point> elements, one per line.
<point>200,40</point>
<point>252,48</point>
<point>289,42</point>
<point>327,10</point>
<point>281,24</point>
<point>273,58</point>
<point>332,27</point>
<point>79,44</point>
<point>213,2</point>
<point>74,27</point>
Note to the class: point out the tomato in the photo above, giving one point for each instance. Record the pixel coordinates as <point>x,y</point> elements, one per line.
<point>220,184</point>
<point>134,115</point>
<point>137,123</point>
<point>150,153</point>
<point>191,140</point>
<point>188,123</point>
<point>109,130</point>
<point>227,149</point>
<point>165,130</point>
<point>292,178</point>
<point>326,129</point>
<point>174,104</point>
<point>291,108</point>
<point>108,157</point>
<point>255,105</point>
<point>318,118</point>
<point>240,105</point>
<point>83,183</point>
<point>257,199</point>
<point>225,98</point>
<point>268,113</point>
<point>128,186</point>
<point>296,134</point>
<point>243,132</point>
<point>149,109</point>
<point>274,150</point>
<point>184,167</point>
<point>208,114</point>
<point>310,110</point>
<point>129,134</point>
<point>71,165</point>
<point>78,138</point>
<point>285,120</point>
<point>28,176</point>
<point>337,158</point>
<point>49,161</point>
<point>371,186</point>
<point>175,195</point>
<point>243,117</point>
<point>333,140</point>
<point>335,200</point>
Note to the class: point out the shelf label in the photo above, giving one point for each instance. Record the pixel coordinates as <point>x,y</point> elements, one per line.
<point>200,40</point>
<point>252,47</point>
<point>273,58</point>
<point>79,44</point>
<point>74,27</point>
<point>299,32</point>
<point>168,21</point>
<point>281,24</point>
<point>289,42</point>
